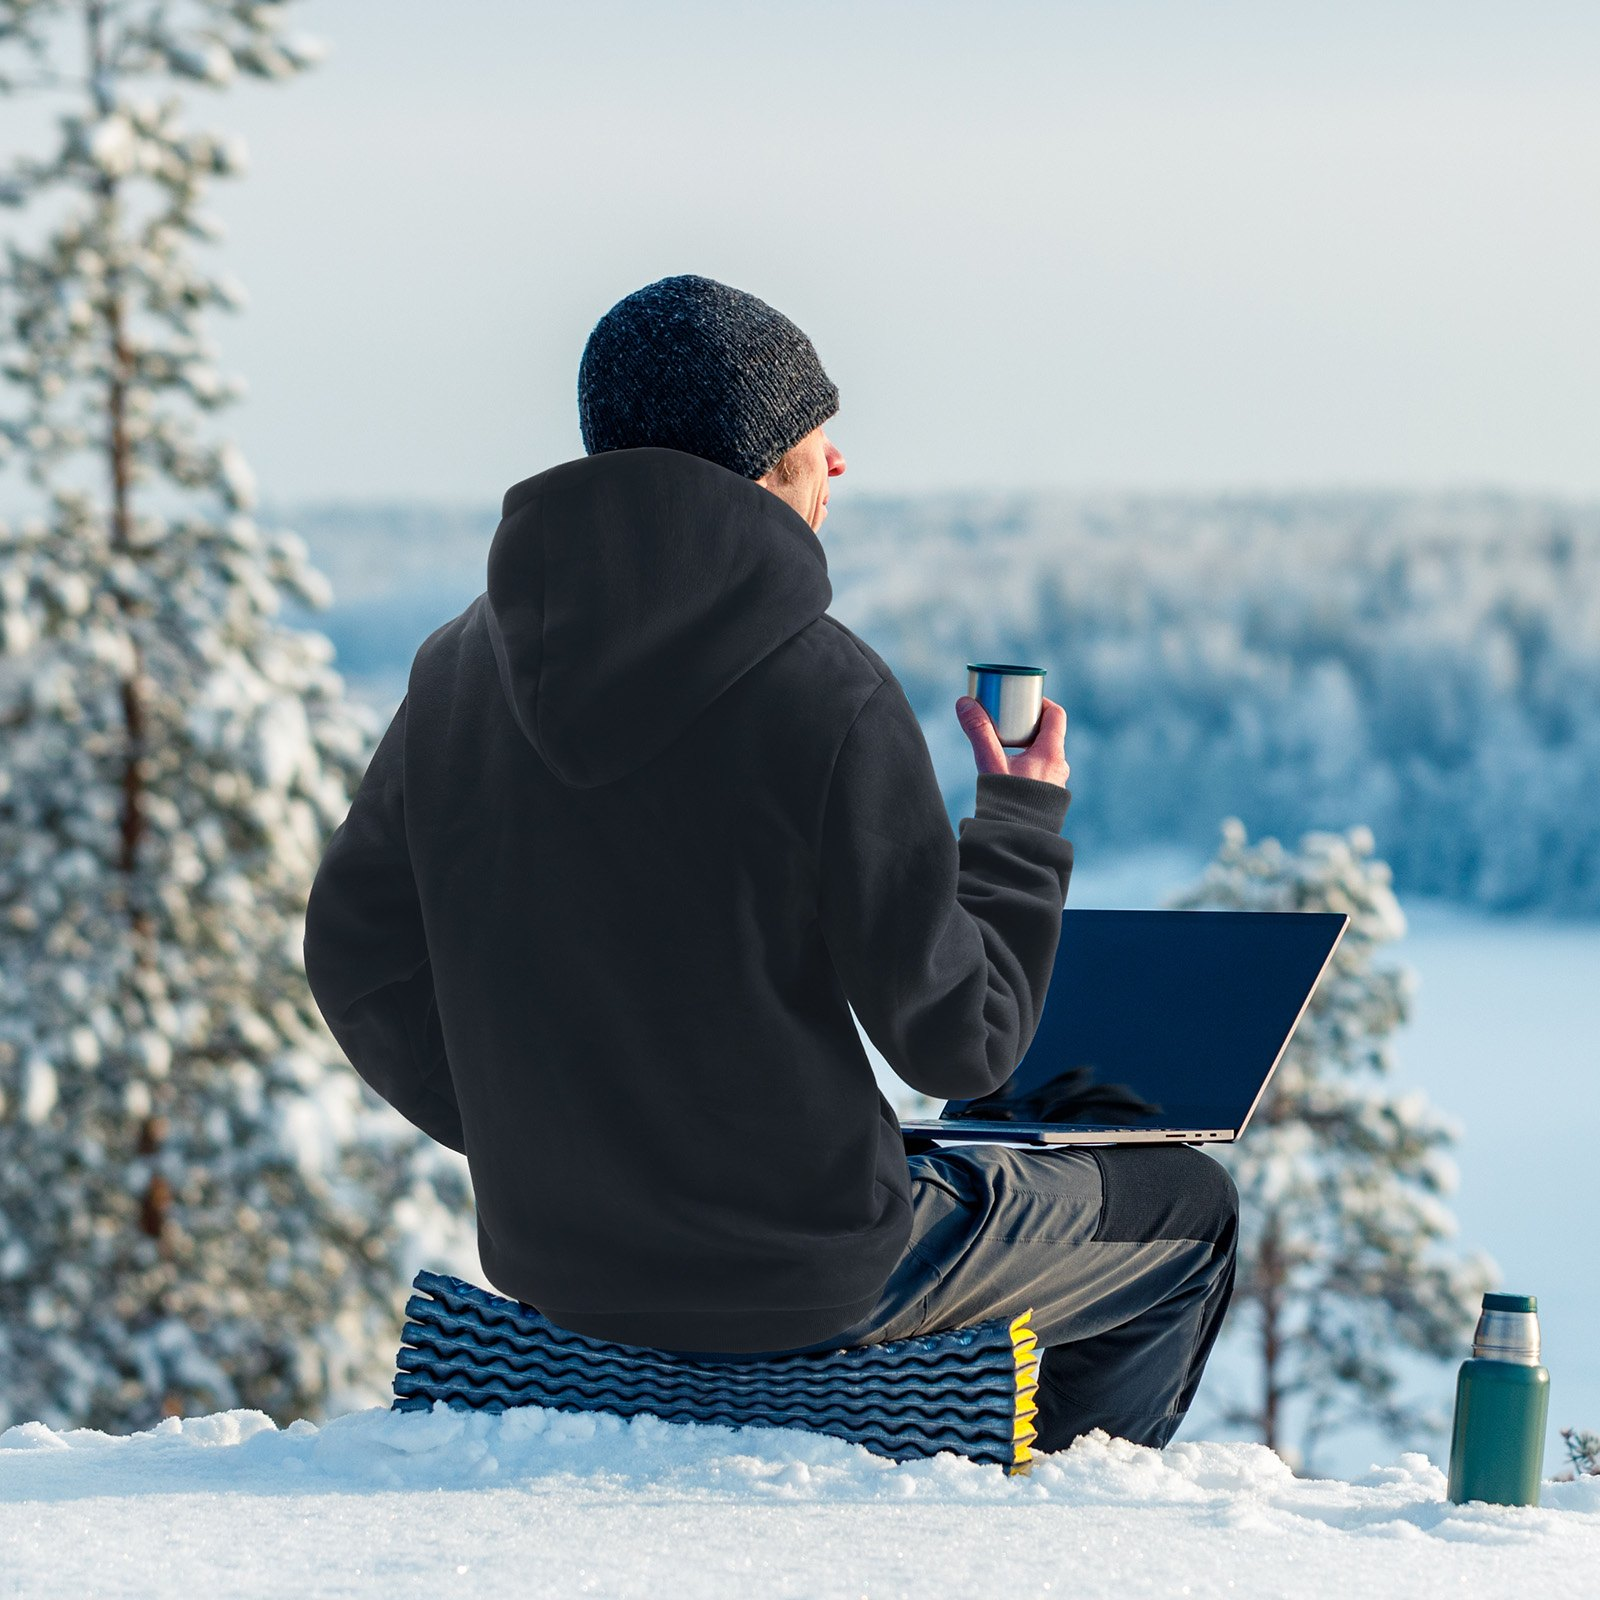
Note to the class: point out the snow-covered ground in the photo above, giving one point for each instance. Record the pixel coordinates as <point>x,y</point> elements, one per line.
<point>535,1503</point>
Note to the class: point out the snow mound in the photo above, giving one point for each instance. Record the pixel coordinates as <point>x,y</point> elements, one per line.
<point>535,1502</point>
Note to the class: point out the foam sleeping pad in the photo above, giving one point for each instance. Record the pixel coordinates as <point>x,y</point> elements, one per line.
<point>966,1390</point>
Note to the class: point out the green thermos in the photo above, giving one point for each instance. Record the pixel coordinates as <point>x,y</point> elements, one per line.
<point>1502,1402</point>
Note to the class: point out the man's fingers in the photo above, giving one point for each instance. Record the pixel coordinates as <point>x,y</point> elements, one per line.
<point>1052,724</point>
<point>986,747</point>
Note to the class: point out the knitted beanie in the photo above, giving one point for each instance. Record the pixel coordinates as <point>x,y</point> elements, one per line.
<point>692,364</point>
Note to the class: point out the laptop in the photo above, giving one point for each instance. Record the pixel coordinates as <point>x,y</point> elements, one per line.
<point>1157,1026</point>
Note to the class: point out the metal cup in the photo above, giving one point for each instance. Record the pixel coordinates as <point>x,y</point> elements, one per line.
<point>1508,1330</point>
<point>1013,697</point>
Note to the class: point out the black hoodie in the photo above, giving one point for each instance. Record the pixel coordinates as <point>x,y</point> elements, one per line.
<point>645,820</point>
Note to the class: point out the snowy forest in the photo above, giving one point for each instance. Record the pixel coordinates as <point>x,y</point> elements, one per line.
<point>1424,665</point>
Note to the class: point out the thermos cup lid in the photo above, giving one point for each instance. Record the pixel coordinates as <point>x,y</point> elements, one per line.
<point>1000,666</point>
<point>1508,1329</point>
<point>1510,1302</point>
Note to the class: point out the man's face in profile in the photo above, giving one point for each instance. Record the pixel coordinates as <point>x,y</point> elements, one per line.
<point>801,477</point>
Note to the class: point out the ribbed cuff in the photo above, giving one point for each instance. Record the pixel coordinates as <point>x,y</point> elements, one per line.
<point>1008,797</point>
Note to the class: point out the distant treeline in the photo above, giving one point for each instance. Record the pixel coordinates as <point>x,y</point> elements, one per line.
<point>1427,665</point>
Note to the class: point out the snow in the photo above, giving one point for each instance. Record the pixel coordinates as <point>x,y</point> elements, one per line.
<point>540,1503</point>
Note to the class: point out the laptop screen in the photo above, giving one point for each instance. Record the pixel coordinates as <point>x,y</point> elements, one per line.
<point>1166,1019</point>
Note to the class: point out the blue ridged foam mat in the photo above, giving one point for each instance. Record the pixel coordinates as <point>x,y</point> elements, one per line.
<point>967,1390</point>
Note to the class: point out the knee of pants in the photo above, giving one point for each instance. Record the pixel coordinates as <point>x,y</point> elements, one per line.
<point>1226,1201</point>
<point>1167,1192</point>
<point>1216,1199</point>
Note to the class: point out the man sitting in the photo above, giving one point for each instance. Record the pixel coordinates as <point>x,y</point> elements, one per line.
<point>646,825</point>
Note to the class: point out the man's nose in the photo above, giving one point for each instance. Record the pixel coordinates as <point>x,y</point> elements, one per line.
<point>836,461</point>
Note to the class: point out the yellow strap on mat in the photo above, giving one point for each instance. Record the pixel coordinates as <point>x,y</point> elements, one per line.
<point>1025,1352</point>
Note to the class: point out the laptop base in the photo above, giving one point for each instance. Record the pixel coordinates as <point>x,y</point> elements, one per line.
<point>1024,1133</point>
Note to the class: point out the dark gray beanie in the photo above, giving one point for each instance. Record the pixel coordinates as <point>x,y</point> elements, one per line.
<point>692,364</point>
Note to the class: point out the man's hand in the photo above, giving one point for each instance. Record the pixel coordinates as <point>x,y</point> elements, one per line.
<point>1044,759</point>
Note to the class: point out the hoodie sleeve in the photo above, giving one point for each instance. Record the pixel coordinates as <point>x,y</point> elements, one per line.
<point>944,944</point>
<point>367,959</point>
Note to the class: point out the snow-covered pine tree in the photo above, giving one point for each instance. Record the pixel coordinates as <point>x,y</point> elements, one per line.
<point>199,1204</point>
<point>1343,1266</point>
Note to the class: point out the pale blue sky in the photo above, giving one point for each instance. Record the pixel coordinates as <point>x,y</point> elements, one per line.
<point>1141,243</point>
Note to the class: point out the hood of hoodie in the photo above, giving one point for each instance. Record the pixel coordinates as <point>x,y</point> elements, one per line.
<point>628,590</point>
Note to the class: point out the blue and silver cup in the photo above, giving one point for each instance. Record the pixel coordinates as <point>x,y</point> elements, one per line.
<point>1013,697</point>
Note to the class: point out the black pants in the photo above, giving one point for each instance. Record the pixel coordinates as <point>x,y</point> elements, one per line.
<point>1124,1253</point>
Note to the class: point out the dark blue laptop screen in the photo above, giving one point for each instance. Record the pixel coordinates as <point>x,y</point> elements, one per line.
<point>1163,1018</point>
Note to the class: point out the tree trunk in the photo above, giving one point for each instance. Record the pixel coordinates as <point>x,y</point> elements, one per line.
<point>1272,1283</point>
<point>157,1199</point>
